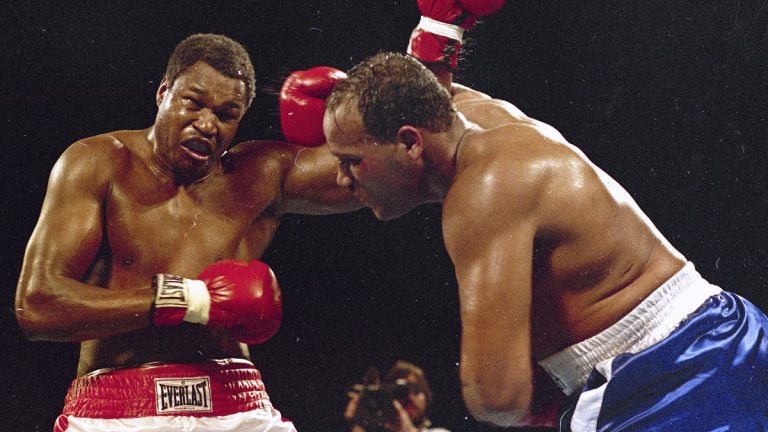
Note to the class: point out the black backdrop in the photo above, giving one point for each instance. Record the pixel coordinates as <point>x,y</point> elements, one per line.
<point>668,96</point>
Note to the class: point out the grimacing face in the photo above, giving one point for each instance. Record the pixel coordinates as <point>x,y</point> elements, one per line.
<point>382,176</point>
<point>198,116</point>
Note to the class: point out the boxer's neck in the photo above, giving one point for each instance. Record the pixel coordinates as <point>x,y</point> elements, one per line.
<point>442,157</point>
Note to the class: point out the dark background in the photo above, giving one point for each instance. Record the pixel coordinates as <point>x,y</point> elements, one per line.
<point>669,97</point>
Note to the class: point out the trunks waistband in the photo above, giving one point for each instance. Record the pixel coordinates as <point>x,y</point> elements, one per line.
<point>648,323</point>
<point>212,388</point>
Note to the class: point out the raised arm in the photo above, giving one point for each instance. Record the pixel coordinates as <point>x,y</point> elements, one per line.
<point>310,184</point>
<point>489,226</point>
<point>52,301</point>
<point>436,40</point>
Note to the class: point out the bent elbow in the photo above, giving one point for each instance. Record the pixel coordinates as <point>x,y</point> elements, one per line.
<point>500,407</point>
<point>35,323</point>
<point>498,414</point>
<point>34,334</point>
<point>36,328</point>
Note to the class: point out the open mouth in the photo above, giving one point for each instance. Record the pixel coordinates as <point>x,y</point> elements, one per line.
<point>197,149</point>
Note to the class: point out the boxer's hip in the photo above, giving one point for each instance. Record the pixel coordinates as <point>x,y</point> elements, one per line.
<point>648,323</point>
<point>212,388</point>
<point>708,374</point>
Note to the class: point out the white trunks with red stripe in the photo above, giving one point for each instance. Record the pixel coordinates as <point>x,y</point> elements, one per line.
<point>216,395</point>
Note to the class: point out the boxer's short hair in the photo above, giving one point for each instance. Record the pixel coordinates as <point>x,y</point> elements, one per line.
<point>393,90</point>
<point>225,55</point>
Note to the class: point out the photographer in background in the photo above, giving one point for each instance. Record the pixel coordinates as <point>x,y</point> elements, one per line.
<point>398,404</point>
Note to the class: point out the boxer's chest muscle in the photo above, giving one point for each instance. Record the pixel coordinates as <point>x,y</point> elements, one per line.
<point>178,230</point>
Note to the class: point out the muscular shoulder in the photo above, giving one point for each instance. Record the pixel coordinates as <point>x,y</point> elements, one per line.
<point>98,157</point>
<point>485,164</point>
<point>461,93</point>
<point>261,155</point>
<point>484,110</point>
<point>518,170</point>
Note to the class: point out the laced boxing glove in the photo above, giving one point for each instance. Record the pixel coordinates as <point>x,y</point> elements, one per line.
<point>438,36</point>
<point>302,104</point>
<point>243,297</point>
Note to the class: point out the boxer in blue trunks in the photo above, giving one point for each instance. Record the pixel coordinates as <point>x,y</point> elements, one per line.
<point>576,311</point>
<point>690,371</point>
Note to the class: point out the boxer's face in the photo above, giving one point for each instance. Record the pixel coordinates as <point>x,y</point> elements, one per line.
<point>197,118</point>
<point>382,176</point>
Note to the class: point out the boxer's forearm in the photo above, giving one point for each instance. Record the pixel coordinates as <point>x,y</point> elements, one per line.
<point>74,311</point>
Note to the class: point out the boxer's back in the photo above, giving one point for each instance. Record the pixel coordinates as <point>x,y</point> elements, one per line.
<point>596,255</point>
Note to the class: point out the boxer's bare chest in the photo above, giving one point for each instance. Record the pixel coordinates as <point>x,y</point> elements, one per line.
<point>154,226</point>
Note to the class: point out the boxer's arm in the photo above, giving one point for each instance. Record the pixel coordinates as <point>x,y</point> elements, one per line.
<point>51,302</point>
<point>310,185</point>
<point>436,40</point>
<point>490,240</point>
<point>304,180</point>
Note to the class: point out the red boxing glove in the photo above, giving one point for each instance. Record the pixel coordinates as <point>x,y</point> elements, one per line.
<point>437,38</point>
<point>242,297</point>
<point>250,292</point>
<point>302,104</point>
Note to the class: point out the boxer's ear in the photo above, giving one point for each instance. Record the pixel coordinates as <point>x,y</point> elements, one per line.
<point>161,90</point>
<point>412,139</point>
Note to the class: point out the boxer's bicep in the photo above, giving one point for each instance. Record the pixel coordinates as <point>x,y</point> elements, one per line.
<point>66,237</point>
<point>69,230</point>
<point>491,245</point>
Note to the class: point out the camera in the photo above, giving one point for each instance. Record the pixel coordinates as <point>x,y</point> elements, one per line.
<point>374,407</point>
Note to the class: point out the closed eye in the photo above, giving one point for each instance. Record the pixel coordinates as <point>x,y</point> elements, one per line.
<point>191,102</point>
<point>227,116</point>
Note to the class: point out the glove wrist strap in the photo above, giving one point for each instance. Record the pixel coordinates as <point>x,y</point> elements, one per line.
<point>178,299</point>
<point>440,28</point>
<point>199,304</point>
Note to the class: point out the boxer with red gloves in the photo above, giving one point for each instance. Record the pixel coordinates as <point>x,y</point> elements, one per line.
<point>128,206</point>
